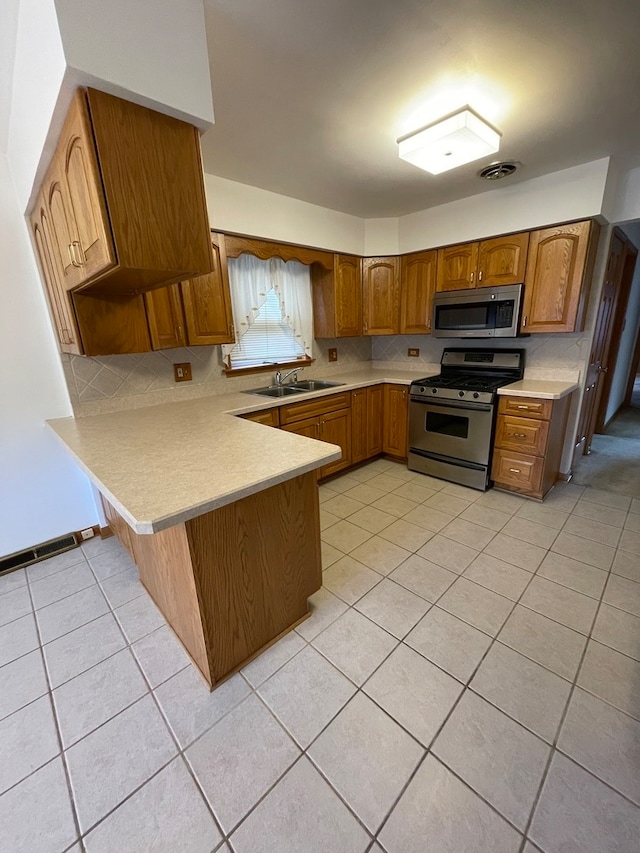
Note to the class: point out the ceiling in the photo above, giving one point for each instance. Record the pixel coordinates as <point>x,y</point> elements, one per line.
<point>311,95</point>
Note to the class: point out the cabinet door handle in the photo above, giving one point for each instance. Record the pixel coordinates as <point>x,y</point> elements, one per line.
<point>473,276</point>
<point>179,332</point>
<point>514,471</point>
<point>480,276</point>
<point>72,255</point>
<point>80,256</point>
<point>524,321</point>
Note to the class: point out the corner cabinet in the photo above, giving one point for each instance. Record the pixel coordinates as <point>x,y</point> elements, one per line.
<point>337,298</point>
<point>326,419</point>
<point>381,296</point>
<point>558,277</point>
<point>125,193</point>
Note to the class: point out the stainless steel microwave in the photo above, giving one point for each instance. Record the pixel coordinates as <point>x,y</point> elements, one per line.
<point>483,312</point>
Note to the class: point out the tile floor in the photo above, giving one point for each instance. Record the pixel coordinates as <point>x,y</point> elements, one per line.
<point>469,680</point>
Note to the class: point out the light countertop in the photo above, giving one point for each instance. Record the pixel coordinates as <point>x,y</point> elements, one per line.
<point>543,389</point>
<point>163,465</point>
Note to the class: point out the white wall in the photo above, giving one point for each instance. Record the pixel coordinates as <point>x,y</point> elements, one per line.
<point>381,237</point>
<point>575,193</point>
<point>624,204</point>
<point>43,494</point>
<point>248,210</point>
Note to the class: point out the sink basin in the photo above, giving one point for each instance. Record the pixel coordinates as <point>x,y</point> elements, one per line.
<point>314,385</point>
<point>277,391</point>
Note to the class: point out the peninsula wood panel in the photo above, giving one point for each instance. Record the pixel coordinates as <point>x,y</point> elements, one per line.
<point>255,564</point>
<point>418,284</point>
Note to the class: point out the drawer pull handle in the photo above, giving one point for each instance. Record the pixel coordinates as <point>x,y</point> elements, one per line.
<point>514,471</point>
<point>526,408</point>
<point>519,435</point>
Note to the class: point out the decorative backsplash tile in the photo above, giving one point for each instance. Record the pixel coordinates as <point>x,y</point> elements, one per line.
<point>146,378</point>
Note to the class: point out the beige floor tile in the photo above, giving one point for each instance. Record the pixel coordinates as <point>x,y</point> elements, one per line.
<point>579,813</point>
<point>542,514</point>
<point>70,613</point>
<point>573,574</point>
<point>501,501</point>
<point>626,565</point>
<point>15,604</point>
<point>327,519</point>
<point>630,542</point>
<point>564,605</point>
<point>610,499</point>
<point>61,561</point>
<point>524,690</point>
<point>611,676</point>
<point>83,648</point>
<point>160,655</point>
<point>394,504</point>
<point>529,531</point>
<point>22,681</point>
<point>496,756</point>
<point>480,607</point>
<point>623,593</point>
<point>467,533</point>
<point>414,491</point>
<point>426,579</point>
<point>439,812</point>
<point>305,694</point>
<point>301,813</point>
<point>342,484</point>
<point>555,646</point>
<point>407,535</point>
<point>592,553</point>
<point>501,577</point>
<point>17,638</point>
<point>596,531</point>
<point>515,551</point>
<point>384,482</point>
<point>604,741</point>
<point>462,492</point>
<point>345,536</point>
<point>393,607</point>
<point>262,667</point>
<point>632,522</point>
<point>60,585</point>
<point>449,554</point>
<point>618,629</point>
<point>371,519</point>
<point>325,607</point>
<point>355,645</point>
<point>342,506</point>
<point>452,644</point>
<point>414,692</point>
<point>485,516</point>
<point>349,579</point>
<point>28,740</point>
<point>370,780</point>
<point>428,517</point>
<point>443,501</point>
<point>603,514</point>
<point>380,555</point>
<point>330,555</point>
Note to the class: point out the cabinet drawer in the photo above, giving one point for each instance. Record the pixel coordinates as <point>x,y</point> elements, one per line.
<point>269,417</point>
<point>523,434</point>
<point>314,408</point>
<point>528,407</point>
<point>517,471</point>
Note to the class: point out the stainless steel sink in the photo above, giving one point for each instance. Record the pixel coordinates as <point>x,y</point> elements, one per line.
<point>315,385</point>
<point>277,391</point>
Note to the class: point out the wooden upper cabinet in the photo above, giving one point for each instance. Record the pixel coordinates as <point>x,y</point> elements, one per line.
<point>418,279</point>
<point>457,266</point>
<point>381,296</point>
<point>502,260</point>
<point>125,190</point>
<point>62,311</point>
<point>207,302</point>
<point>165,316</point>
<point>558,277</point>
<point>337,298</point>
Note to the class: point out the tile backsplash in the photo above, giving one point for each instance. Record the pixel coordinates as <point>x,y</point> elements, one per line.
<point>111,382</point>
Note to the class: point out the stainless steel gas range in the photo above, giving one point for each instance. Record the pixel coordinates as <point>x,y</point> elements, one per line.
<point>452,416</point>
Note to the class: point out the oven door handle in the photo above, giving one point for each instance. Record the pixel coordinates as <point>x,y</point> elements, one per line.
<point>453,404</point>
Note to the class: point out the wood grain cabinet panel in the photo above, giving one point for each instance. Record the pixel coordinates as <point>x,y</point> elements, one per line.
<point>418,284</point>
<point>207,302</point>
<point>396,415</point>
<point>375,420</point>
<point>326,419</point>
<point>457,266</point>
<point>503,260</point>
<point>268,417</point>
<point>529,441</point>
<point>367,411</point>
<point>165,315</point>
<point>337,298</point>
<point>381,296</point>
<point>558,277</point>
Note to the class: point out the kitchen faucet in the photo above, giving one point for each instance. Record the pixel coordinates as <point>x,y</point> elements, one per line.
<point>278,379</point>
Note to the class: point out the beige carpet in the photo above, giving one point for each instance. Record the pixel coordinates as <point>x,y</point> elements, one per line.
<point>614,464</point>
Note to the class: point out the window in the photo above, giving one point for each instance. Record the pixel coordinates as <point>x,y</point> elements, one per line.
<point>272,312</point>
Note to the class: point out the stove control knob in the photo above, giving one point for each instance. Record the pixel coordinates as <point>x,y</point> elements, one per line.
<point>476,395</point>
<point>460,393</point>
<point>434,390</point>
<point>422,389</point>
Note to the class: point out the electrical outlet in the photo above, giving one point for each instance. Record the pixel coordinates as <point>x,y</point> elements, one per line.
<point>87,533</point>
<point>413,352</point>
<point>333,354</point>
<point>182,372</point>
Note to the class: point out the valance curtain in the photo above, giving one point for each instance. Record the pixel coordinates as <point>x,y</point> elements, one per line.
<point>267,332</point>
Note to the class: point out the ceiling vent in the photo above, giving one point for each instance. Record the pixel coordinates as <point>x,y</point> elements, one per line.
<point>498,170</point>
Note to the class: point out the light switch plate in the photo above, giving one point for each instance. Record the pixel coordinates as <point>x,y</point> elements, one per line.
<point>333,353</point>
<point>182,372</point>
<point>413,352</point>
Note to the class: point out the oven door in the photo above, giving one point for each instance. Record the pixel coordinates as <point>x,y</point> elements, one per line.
<point>459,431</point>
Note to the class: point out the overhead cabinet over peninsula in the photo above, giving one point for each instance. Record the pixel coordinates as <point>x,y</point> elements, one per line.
<point>125,198</point>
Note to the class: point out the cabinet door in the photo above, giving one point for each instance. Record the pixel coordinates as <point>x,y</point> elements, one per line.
<point>559,267</point>
<point>457,267</point>
<point>395,420</point>
<point>62,312</point>
<point>375,415</point>
<point>92,247</point>
<point>268,417</point>
<point>62,228</point>
<point>380,296</point>
<point>335,428</point>
<point>417,285</point>
<point>309,428</point>
<point>348,296</point>
<point>359,422</point>
<point>164,312</point>
<point>207,302</point>
<point>503,260</point>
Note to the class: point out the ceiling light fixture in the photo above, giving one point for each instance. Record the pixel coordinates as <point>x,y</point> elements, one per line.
<point>452,141</point>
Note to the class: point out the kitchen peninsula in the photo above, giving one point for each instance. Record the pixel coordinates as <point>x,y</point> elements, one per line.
<point>219,514</point>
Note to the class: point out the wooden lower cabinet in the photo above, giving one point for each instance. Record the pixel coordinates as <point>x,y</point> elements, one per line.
<point>528,444</point>
<point>226,599</point>
<point>326,419</point>
<point>367,407</point>
<point>396,400</point>
<point>268,417</point>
